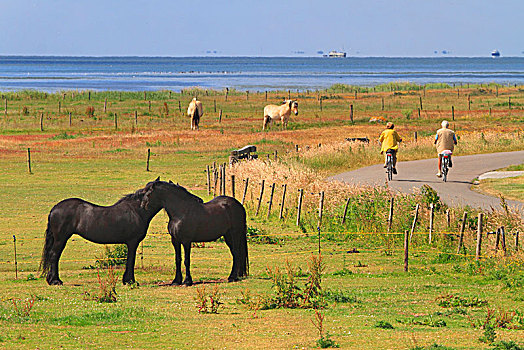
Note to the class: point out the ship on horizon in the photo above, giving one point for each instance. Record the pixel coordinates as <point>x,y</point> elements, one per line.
<point>335,53</point>
<point>495,53</point>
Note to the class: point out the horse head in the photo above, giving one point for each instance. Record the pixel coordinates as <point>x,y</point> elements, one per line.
<point>293,105</point>
<point>150,186</point>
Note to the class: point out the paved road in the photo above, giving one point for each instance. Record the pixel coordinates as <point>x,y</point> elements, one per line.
<point>456,191</point>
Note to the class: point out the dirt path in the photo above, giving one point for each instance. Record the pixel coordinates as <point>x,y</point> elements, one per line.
<point>456,191</point>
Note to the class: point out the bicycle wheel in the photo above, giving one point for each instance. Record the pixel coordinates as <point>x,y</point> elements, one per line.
<point>445,169</point>
<point>389,170</point>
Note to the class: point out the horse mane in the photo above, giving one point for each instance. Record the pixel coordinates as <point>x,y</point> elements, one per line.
<point>137,196</point>
<point>185,191</point>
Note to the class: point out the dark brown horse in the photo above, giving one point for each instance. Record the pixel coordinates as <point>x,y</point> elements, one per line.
<point>126,221</point>
<point>192,220</point>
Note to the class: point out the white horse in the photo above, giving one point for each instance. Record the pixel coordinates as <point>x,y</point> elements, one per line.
<point>195,111</point>
<point>281,112</point>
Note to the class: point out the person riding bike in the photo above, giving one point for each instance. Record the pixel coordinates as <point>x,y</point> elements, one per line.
<point>390,139</point>
<point>445,140</point>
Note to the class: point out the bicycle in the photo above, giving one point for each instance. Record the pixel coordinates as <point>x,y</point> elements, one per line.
<point>389,164</point>
<point>446,162</point>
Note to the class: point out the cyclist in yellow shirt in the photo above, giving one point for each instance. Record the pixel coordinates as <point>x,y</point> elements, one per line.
<point>390,140</point>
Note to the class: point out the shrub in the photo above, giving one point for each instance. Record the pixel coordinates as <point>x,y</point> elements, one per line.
<point>106,288</point>
<point>325,340</point>
<point>90,111</point>
<point>383,325</point>
<point>208,302</point>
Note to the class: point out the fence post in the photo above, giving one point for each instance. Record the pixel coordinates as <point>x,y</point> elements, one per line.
<point>414,222</point>
<point>479,237</point>
<point>420,98</point>
<point>5,110</point>
<point>503,239</point>
<point>179,107</point>
<point>270,200</point>
<point>284,188</point>
<point>345,210</point>
<point>16,258</point>
<point>245,191</point>
<point>220,116</point>
<point>148,156</point>
<point>462,228</point>
<point>116,121</point>
<point>431,218</point>
<point>497,239</point>
<point>320,212</point>
<point>452,112</point>
<point>105,105</point>
<point>208,180</point>
<point>351,113</point>
<point>320,103</point>
<point>406,251</point>
<point>233,186</point>
<point>215,105</point>
<point>299,207</point>
<point>517,241</point>
<point>390,216</point>
<point>448,218</point>
<point>42,121</point>
<point>136,117</point>
<point>260,197</point>
<point>29,160</point>
<point>382,103</point>
<point>70,119</point>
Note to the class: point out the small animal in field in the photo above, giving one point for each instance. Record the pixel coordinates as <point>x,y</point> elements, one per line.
<point>282,113</point>
<point>126,222</point>
<point>377,120</point>
<point>195,111</point>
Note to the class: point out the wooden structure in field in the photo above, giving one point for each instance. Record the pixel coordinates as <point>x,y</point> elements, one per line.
<point>247,152</point>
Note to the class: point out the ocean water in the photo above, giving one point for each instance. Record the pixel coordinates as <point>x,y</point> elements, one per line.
<point>246,73</point>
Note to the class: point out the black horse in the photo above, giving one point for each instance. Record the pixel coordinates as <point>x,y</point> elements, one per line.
<point>192,220</point>
<point>126,221</point>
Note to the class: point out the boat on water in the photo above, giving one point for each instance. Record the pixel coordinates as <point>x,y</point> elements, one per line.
<point>335,54</point>
<point>495,53</point>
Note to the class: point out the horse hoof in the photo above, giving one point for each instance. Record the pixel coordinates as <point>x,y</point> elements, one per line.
<point>188,283</point>
<point>176,283</point>
<point>233,279</point>
<point>55,283</point>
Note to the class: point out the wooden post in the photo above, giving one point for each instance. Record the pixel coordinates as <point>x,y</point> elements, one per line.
<point>149,106</point>
<point>490,111</point>
<point>462,229</point>
<point>224,179</point>
<point>232,185</point>
<point>208,172</point>
<point>89,95</point>
<point>270,200</point>
<point>266,95</point>
<point>320,102</point>
<point>509,102</point>
<point>415,136</point>
<point>5,110</point>
<point>517,240</point>
<point>276,155</point>
<point>283,200</point>
<point>497,90</point>
<point>105,105</point>
<point>148,156</point>
<point>356,96</point>
<point>179,107</point>
<point>289,94</point>
<point>452,112</point>
<point>29,160</point>
<point>42,121</point>
<point>503,239</point>
<point>351,113</point>
<point>220,116</point>
<point>418,109</point>
<point>245,190</point>
<point>346,210</point>
<point>382,103</point>
<point>215,105</point>
<point>320,212</point>
<point>59,107</point>
<point>215,177</point>
<point>390,216</point>
<point>247,95</point>
<point>420,98</point>
<point>448,218</point>
<point>414,222</point>
<point>260,197</point>
<point>406,251</point>
<point>145,97</point>
<point>136,117</point>
<point>431,218</point>
<point>70,121</point>
<point>479,237</point>
<point>116,121</point>
<point>299,207</point>
<point>497,239</point>
<point>469,103</point>
<point>16,258</point>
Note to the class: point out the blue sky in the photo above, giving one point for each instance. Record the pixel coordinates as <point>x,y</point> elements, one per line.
<point>261,28</point>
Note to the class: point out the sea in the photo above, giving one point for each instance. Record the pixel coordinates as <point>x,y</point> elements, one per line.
<point>52,74</point>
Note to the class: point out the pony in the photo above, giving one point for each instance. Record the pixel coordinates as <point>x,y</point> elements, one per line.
<point>195,111</point>
<point>192,220</point>
<point>126,221</point>
<point>281,112</point>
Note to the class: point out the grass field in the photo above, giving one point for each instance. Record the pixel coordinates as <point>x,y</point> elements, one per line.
<point>445,299</point>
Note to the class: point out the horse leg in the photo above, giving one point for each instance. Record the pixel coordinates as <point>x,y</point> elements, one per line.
<point>266,122</point>
<point>233,247</point>
<point>188,281</point>
<point>56,251</point>
<point>178,261</point>
<point>129,274</point>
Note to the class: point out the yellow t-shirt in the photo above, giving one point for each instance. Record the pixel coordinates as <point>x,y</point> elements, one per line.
<point>389,139</point>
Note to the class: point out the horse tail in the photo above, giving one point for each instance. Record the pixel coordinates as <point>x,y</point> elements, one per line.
<point>243,269</point>
<point>45,262</point>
